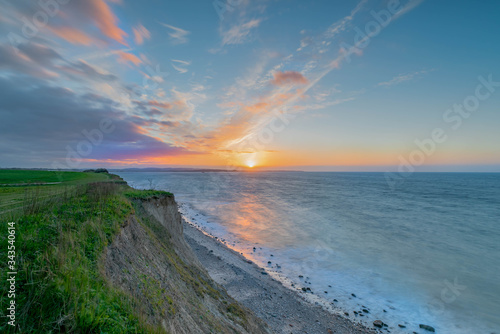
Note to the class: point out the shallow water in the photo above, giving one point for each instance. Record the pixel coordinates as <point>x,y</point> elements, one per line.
<point>428,252</point>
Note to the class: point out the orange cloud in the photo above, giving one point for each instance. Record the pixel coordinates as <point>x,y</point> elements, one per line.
<point>126,57</point>
<point>72,35</point>
<point>289,78</point>
<point>96,12</point>
<point>158,104</point>
<point>106,21</point>
<point>140,34</point>
<point>257,107</point>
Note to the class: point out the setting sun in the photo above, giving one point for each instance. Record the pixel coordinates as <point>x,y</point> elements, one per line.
<point>250,164</point>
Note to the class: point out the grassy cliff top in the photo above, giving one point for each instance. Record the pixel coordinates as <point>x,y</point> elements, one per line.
<point>62,228</point>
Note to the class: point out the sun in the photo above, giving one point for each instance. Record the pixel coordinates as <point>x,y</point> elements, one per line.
<point>250,164</point>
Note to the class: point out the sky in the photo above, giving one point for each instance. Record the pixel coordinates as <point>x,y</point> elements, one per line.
<point>403,85</point>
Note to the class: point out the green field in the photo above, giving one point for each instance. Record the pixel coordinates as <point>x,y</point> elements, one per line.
<point>61,232</point>
<point>17,187</point>
<point>22,177</point>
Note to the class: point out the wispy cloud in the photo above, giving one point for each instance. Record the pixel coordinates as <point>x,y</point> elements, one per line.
<point>412,4</point>
<point>140,34</point>
<point>83,22</point>
<point>402,78</point>
<point>250,115</point>
<point>342,24</point>
<point>239,33</point>
<point>178,35</point>
<point>126,57</point>
<point>178,65</point>
<point>289,78</point>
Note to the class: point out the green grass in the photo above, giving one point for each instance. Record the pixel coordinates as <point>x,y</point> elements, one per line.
<point>59,245</point>
<point>145,194</point>
<point>13,197</point>
<point>18,176</point>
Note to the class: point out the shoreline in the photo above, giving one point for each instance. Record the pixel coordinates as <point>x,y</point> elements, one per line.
<point>283,309</point>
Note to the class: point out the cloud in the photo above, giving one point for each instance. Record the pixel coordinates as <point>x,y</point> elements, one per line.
<point>42,127</point>
<point>289,78</point>
<point>342,24</point>
<point>83,69</point>
<point>158,121</point>
<point>401,78</point>
<point>126,57</point>
<point>412,4</point>
<point>238,34</point>
<point>105,20</point>
<point>184,62</point>
<point>140,34</point>
<point>72,35</point>
<point>179,68</point>
<point>77,22</point>
<point>253,104</point>
<point>98,12</point>
<point>160,104</point>
<point>178,107</point>
<point>31,59</point>
<point>43,62</point>
<point>178,35</point>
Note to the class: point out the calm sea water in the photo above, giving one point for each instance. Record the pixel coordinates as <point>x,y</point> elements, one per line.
<point>428,252</point>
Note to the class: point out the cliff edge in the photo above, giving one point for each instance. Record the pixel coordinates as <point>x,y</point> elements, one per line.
<point>150,260</point>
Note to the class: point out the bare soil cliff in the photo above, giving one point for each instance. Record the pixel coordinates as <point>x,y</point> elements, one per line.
<point>151,261</point>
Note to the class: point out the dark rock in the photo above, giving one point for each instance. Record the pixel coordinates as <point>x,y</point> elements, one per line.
<point>352,294</point>
<point>427,328</point>
<point>268,262</point>
<point>335,300</point>
<point>263,273</point>
<point>304,289</point>
<point>300,276</point>
<point>346,313</point>
<point>326,291</point>
<point>366,311</point>
<point>378,323</point>
<point>402,326</point>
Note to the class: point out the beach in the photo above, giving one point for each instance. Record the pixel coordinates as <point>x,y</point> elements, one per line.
<point>284,310</point>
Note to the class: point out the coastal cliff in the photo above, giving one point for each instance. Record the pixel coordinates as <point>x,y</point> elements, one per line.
<point>96,256</point>
<point>150,260</point>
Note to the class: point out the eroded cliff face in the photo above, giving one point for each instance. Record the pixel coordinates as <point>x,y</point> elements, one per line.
<point>150,260</point>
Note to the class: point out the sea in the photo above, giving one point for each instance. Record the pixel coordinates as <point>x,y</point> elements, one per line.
<point>424,252</point>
